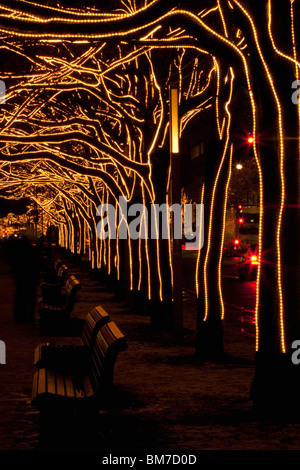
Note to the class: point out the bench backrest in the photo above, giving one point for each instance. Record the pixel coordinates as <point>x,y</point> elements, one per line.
<point>50,274</point>
<point>95,319</point>
<point>57,263</point>
<point>71,289</point>
<point>62,272</point>
<point>109,342</point>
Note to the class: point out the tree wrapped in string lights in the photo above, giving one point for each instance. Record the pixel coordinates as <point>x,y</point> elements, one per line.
<point>254,43</point>
<point>87,120</point>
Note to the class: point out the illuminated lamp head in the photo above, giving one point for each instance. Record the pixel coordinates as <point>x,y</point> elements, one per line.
<point>250,140</point>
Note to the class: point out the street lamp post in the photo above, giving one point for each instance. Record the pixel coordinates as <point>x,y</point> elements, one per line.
<point>175,196</point>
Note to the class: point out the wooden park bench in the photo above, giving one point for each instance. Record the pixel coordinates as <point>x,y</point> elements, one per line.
<point>69,357</point>
<point>56,288</point>
<point>85,388</point>
<point>61,308</point>
<point>50,275</point>
<point>59,279</point>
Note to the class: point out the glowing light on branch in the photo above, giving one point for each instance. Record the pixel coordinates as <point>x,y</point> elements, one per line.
<point>74,151</point>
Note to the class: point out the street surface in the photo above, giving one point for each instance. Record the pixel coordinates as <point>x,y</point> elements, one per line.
<point>238,295</point>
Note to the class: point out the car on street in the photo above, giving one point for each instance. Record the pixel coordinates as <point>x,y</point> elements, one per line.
<point>248,264</point>
<point>233,248</point>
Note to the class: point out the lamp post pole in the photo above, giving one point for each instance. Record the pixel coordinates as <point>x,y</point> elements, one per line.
<point>175,196</point>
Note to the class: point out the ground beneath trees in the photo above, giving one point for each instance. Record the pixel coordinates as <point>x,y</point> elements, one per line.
<point>163,400</point>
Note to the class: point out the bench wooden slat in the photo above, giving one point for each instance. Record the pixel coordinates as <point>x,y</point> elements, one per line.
<point>70,392</point>
<point>51,382</point>
<point>115,331</point>
<point>60,385</point>
<point>35,383</point>
<point>41,382</point>
<point>89,391</point>
<point>78,388</point>
<point>38,353</point>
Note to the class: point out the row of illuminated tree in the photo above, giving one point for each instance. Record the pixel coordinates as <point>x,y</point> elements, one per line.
<point>86,123</point>
<point>87,117</point>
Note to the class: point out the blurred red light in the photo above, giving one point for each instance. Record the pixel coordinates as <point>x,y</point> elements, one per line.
<point>254,259</point>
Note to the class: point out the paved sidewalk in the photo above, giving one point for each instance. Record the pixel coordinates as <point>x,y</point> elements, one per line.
<point>163,399</point>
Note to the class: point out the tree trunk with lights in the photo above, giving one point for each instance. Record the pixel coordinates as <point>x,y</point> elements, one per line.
<point>276,380</point>
<point>209,342</point>
<point>243,33</point>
